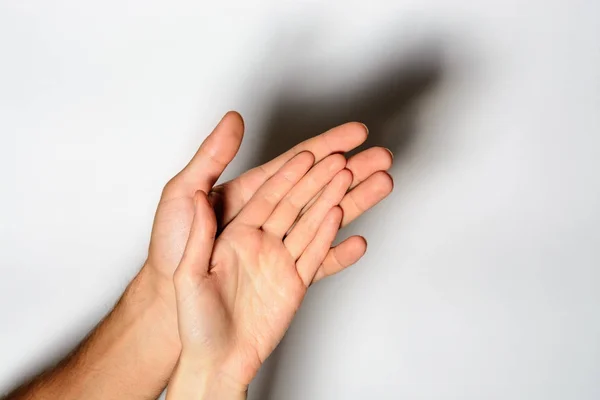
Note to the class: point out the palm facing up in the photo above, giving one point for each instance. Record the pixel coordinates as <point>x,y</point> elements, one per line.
<point>236,300</point>
<point>175,212</point>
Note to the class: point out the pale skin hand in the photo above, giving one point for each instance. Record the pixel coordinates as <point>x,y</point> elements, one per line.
<point>173,220</point>
<point>145,365</point>
<point>175,211</point>
<point>235,301</point>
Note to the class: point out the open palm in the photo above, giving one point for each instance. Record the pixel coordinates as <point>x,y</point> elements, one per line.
<point>236,300</point>
<point>175,211</point>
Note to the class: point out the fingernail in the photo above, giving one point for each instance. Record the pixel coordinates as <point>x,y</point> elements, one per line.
<point>366,128</point>
<point>391,154</point>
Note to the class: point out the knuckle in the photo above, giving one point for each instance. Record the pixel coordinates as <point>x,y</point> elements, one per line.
<point>357,205</point>
<point>313,181</point>
<point>338,161</point>
<point>173,186</point>
<point>180,277</point>
<point>170,185</point>
<point>293,202</point>
<point>272,197</point>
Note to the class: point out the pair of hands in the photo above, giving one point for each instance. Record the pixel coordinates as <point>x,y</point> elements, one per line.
<point>235,294</point>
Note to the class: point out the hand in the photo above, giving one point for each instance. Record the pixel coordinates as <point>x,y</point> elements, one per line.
<point>176,208</point>
<point>236,301</point>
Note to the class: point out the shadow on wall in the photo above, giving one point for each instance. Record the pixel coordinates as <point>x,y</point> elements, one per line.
<point>387,103</point>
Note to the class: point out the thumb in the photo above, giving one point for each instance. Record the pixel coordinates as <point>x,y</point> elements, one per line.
<point>198,250</point>
<point>209,162</point>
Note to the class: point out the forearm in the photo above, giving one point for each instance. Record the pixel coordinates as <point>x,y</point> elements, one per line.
<point>199,383</point>
<point>130,354</point>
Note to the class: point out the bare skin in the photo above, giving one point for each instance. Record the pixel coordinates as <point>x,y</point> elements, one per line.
<point>139,338</point>
<point>175,212</point>
<point>237,296</point>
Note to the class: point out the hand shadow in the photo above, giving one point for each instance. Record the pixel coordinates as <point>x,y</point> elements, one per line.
<point>385,103</point>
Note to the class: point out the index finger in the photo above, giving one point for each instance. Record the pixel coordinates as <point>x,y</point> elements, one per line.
<point>340,139</point>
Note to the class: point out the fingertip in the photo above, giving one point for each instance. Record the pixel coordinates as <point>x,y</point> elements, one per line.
<point>234,116</point>
<point>202,205</point>
<point>337,161</point>
<point>348,175</point>
<point>347,136</point>
<point>343,178</point>
<point>344,174</point>
<point>390,153</point>
<point>234,121</point>
<point>305,156</point>
<point>362,244</point>
<point>383,156</point>
<point>369,161</point>
<point>384,183</point>
<point>336,214</point>
<point>342,256</point>
<point>366,128</point>
<point>360,130</point>
<point>214,154</point>
<point>198,248</point>
<point>356,247</point>
<point>305,160</point>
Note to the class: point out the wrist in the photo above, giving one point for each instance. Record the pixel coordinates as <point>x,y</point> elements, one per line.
<point>206,383</point>
<point>138,339</point>
<point>150,297</point>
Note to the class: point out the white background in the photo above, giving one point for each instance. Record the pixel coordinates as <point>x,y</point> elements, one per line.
<point>481,279</point>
